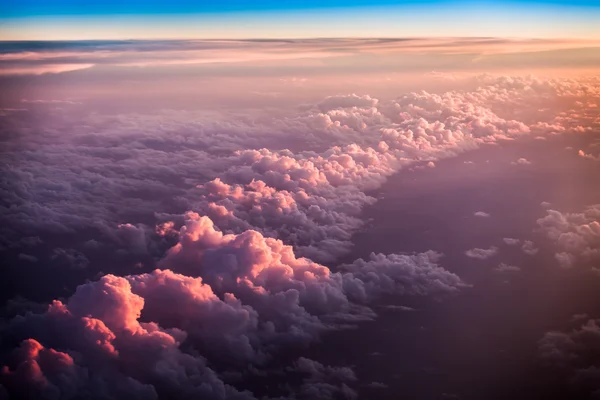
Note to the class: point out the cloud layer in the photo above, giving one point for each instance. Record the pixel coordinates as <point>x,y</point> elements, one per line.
<point>244,217</point>
<point>242,297</point>
<point>35,57</point>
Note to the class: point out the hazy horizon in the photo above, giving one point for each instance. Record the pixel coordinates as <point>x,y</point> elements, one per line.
<point>300,200</point>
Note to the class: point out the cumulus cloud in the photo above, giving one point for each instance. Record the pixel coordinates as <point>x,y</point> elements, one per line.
<point>417,274</point>
<point>19,305</point>
<point>589,156</point>
<point>576,235</point>
<point>40,372</point>
<point>482,254</point>
<point>262,187</point>
<point>253,260</point>
<point>482,214</point>
<point>565,260</point>
<point>311,199</point>
<point>269,198</point>
<point>529,248</point>
<point>70,258</point>
<point>503,267</point>
<point>574,354</point>
<point>511,241</point>
<point>521,161</point>
<point>321,194</point>
<point>117,355</point>
<point>235,299</point>
<point>349,101</point>
<point>324,382</point>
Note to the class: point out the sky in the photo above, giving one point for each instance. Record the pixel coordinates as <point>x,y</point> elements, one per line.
<point>71,20</point>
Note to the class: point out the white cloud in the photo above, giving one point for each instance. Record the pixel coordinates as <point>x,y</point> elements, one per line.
<point>482,254</point>
<point>511,241</point>
<point>503,267</point>
<point>529,248</point>
<point>576,235</point>
<point>521,161</point>
<point>589,156</point>
<point>565,260</point>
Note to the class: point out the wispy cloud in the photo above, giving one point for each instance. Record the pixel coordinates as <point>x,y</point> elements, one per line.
<point>56,57</point>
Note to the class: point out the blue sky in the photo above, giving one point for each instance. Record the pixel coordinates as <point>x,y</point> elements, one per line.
<point>25,8</point>
<point>154,7</point>
<point>119,19</point>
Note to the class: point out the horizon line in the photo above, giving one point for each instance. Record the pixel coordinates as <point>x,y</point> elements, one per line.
<point>249,39</point>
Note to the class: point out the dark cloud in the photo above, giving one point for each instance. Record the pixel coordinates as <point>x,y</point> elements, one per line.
<point>27,257</point>
<point>575,354</point>
<point>324,382</point>
<point>70,258</point>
